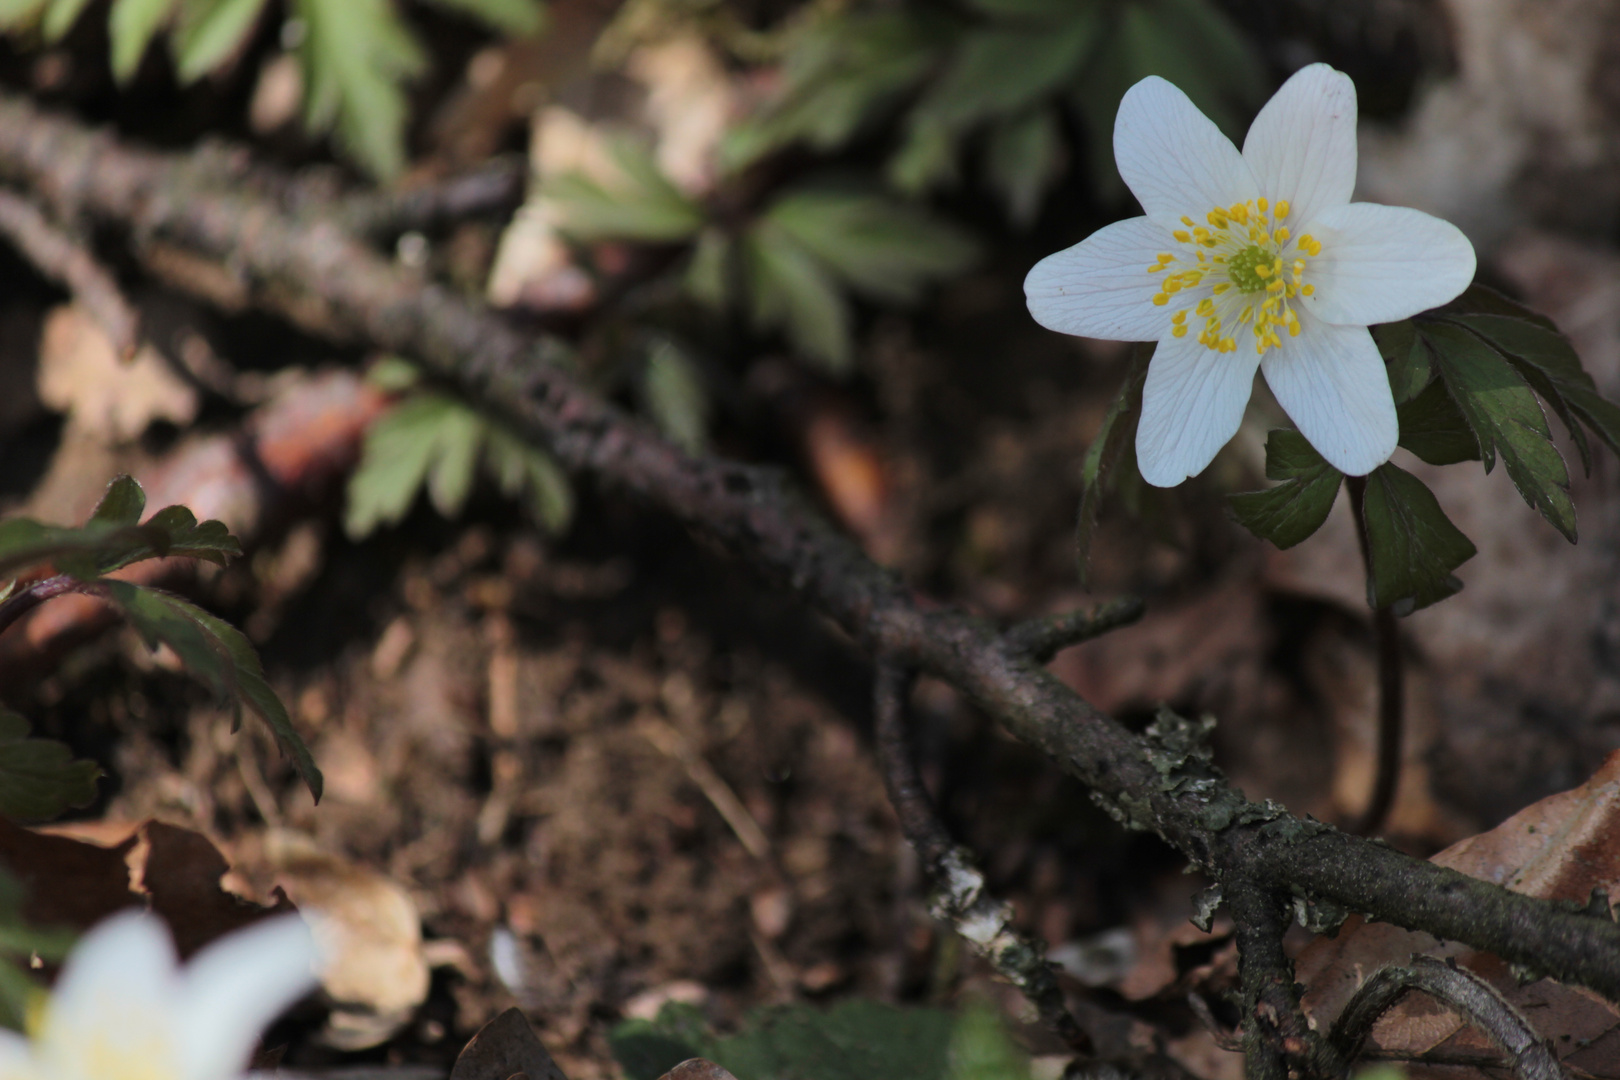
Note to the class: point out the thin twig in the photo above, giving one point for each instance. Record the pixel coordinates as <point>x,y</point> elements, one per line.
<point>960,895</point>
<point>667,738</point>
<point>1043,638</point>
<point>70,264</point>
<point>493,187</point>
<point>1477,1000</point>
<point>1391,688</point>
<point>336,285</point>
<point>1276,1037</point>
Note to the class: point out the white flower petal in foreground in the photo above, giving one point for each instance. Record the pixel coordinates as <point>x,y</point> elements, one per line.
<point>123,1008</point>
<point>1252,259</point>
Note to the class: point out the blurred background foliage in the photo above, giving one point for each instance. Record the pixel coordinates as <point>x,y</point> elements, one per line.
<point>712,183</point>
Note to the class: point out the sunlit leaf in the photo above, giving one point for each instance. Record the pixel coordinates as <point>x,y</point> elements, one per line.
<point>60,17</point>
<point>1296,507</point>
<point>1505,418</point>
<point>981,1048</point>
<point>528,473</point>
<point>1114,442</point>
<point>641,204</point>
<point>458,439</point>
<point>131,25</point>
<point>17,13</point>
<point>40,778</point>
<point>1412,545</point>
<point>399,449</point>
<point>210,32</point>
<point>217,654</point>
<point>516,17</point>
<point>356,55</point>
<point>1549,363</point>
<point>794,291</point>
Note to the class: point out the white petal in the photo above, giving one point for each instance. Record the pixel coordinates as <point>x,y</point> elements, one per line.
<point>17,1057</point>
<point>1173,157</point>
<point>114,1000</point>
<point>235,987</point>
<point>1302,146</point>
<point>1100,287</point>
<point>1383,263</point>
<point>1192,405</point>
<point>1331,382</point>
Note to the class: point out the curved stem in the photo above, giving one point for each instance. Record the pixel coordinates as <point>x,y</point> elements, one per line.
<point>31,596</point>
<point>1391,685</point>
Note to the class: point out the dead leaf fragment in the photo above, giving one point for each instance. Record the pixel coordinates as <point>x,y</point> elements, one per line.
<point>506,1046</point>
<point>369,936</point>
<point>80,374</point>
<point>1560,848</point>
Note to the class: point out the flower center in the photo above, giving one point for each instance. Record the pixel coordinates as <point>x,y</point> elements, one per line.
<point>1244,268</point>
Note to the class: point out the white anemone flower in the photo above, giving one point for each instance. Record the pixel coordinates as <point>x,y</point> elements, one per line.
<point>1252,259</point>
<point>123,1008</point>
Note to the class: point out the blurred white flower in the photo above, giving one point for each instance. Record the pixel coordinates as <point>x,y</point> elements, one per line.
<point>1252,259</point>
<point>123,1008</point>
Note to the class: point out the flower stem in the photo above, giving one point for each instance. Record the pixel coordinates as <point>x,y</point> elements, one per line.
<point>1391,684</point>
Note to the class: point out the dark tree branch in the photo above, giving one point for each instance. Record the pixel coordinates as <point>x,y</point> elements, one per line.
<point>496,186</point>
<point>1276,1036</point>
<point>70,264</point>
<point>960,896</point>
<point>1043,638</point>
<point>322,278</point>
<point>1477,1000</point>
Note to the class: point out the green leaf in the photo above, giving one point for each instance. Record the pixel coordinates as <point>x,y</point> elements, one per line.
<point>1412,546</point>
<point>886,250</point>
<point>60,17</point>
<point>1115,438</point>
<point>1480,299</point>
<point>793,290</point>
<point>1434,429</point>
<point>676,397</point>
<point>856,1039</point>
<point>926,159</point>
<point>18,13</point>
<point>527,472</point>
<point>839,71</point>
<point>709,275</point>
<point>457,441</point>
<point>121,504</point>
<point>641,204</point>
<point>1023,160</point>
<point>1550,365</point>
<point>1004,69</point>
<point>219,655</point>
<point>106,544</point>
<point>1410,365</point>
<point>518,18</point>
<point>356,54</point>
<point>39,778</point>
<point>1297,507</point>
<point>399,449</point>
<point>982,1049</point>
<point>1505,418</point>
<point>1026,9</point>
<point>209,33</point>
<point>131,25</point>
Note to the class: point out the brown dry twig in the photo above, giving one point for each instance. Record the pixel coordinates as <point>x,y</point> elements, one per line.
<point>961,897</point>
<point>326,280</point>
<point>66,261</point>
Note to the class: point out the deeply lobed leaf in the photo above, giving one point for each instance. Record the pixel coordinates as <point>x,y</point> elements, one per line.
<point>1296,507</point>
<point>1411,544</point>
<point>39,778</point>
